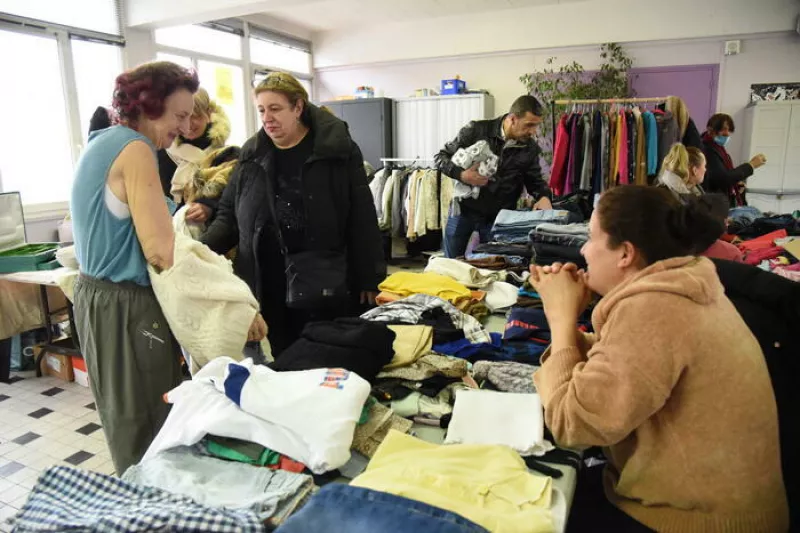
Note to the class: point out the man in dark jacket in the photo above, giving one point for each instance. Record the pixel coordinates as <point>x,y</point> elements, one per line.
<point>510,138</point>
<point>338,216</point>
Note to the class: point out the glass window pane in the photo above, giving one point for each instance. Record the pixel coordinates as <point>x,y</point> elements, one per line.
<point>200,39</point>
<point>96,15</point>
<point>36,108</point>
<point>185,62</point>
<point>279,56</point>
<point>225,84</point>
<point>96,68</point>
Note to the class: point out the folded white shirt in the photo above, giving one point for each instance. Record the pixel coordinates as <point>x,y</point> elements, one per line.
<point>505,418</point>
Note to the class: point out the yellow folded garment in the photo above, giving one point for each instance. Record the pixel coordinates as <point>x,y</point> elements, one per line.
<point>489,485</point>
<point>410,343</point>
<point>408,283</point>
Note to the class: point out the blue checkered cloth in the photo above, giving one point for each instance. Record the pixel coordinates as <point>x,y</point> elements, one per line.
<point>70,499</point>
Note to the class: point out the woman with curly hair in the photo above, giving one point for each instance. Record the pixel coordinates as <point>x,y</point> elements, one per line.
<point>121,225</point>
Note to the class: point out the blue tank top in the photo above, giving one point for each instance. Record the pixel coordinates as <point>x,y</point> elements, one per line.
<point>105,244</point>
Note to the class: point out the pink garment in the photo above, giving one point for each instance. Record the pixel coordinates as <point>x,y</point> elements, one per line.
<point>624,176</point>
<point>558,172</point>
<point>784,272</point>
<point>724,250</point>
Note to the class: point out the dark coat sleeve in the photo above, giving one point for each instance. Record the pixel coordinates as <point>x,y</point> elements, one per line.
<point>223,233</point>
<point>166,169</point>
<point>719,178</point>
<point>466,137</point>
<point>534,182</point>
<point>692,136</point>
<point>364,242</point>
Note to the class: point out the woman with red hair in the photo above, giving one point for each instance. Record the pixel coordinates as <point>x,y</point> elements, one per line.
<point>121,225</point>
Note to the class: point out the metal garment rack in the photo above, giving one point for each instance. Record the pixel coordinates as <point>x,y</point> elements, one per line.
<point>597,101</point>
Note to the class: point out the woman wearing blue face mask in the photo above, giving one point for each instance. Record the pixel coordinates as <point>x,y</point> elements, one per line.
<point>721,175</point>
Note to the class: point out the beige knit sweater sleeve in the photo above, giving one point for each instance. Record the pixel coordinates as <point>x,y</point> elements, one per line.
<point>209,309</point>
<point>597,399</point>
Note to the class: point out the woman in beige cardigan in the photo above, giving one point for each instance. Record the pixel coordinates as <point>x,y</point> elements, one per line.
<point>673,384</point>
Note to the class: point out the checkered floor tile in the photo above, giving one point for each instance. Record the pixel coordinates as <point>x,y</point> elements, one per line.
<point>45,422</point>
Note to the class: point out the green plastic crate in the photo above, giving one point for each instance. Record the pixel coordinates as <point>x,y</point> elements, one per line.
<point>16,253</point>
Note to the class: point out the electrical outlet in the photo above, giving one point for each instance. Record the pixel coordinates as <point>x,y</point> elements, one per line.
<point>733,47</point>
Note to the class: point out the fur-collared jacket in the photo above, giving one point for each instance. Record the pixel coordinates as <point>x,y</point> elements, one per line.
<point>199,170</point>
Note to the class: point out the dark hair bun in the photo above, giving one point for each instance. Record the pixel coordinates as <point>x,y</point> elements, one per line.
<point>695,223</point>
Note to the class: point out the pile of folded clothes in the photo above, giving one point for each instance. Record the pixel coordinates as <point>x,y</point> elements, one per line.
<point>748,222</point>
<point>513,227</point>
<point>559,242</point>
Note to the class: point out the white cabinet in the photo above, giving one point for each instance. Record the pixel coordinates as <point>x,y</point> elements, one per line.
<point>773,128</point>
<point>424,125</point>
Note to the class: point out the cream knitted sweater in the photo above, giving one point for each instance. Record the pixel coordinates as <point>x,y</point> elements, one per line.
<point>208,307</point>
<point>676,388</point>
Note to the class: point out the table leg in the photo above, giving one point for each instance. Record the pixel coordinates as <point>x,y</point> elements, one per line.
<point>49,327</point>
<point>72,329</point>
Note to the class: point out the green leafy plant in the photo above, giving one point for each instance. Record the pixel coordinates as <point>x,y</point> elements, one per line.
<point>573,82</point>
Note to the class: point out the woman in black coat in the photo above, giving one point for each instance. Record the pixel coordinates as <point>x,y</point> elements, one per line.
<point>721,175</point>
<point>299,192</point>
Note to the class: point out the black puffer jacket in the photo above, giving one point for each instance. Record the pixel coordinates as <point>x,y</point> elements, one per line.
<point>340,214</point>
<point>518,166</point>
<point>770,306</point>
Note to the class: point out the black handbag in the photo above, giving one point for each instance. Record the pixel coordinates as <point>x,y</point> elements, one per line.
<point>315,279</point>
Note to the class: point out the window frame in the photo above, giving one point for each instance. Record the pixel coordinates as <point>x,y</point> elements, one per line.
<point>249,68</point>
<point>63,36</point>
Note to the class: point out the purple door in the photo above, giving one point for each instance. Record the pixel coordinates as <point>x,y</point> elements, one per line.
<point>696,84</point>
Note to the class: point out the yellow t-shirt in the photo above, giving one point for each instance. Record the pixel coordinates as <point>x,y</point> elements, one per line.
<point>489,485</point>
<point>408,283</point>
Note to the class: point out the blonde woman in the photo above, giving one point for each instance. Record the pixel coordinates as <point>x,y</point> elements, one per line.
<point>690,136</point>
<point>299,209</point>
<point>196,168</point>
<point>683,170</point>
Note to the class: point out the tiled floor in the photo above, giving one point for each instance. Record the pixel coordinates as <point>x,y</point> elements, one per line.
<point>45,422</point>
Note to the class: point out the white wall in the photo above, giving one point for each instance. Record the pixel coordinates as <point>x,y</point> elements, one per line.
<point>562,24</point>
<point>764,58</point>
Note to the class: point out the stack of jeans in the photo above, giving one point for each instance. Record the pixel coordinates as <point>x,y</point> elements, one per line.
<point>513,227</point>
<point>559,242</point>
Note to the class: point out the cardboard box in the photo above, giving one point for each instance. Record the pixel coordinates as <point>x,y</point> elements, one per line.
<point>79,369</point>
<point>54,364</point>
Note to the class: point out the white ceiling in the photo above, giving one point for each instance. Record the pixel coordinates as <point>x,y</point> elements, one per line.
<point>325,15</point>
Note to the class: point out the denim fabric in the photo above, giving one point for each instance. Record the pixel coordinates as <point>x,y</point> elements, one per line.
<point>495,248</point>
<point>459,230</point>
<point>574,241</point>
<point>514,226</point>
<point>547,254</point>
<point>745,213</point>
<point>339,507</point>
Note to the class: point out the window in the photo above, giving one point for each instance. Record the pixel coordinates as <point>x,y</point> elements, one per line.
<point>279,56</point>
<point>225,85</point>
<point>96,69</point>
<point>202,40</point>
<point>94,15</point>
<point>35,150</point>
<point>185,62</point>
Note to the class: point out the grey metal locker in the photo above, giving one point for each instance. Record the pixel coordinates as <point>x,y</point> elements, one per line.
<point>370,124</point>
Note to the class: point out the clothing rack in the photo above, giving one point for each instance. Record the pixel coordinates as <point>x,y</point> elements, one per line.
<point>429,161</point>
<point>595,101</point>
